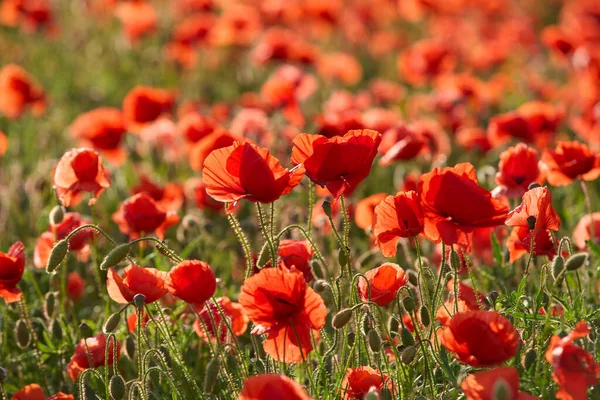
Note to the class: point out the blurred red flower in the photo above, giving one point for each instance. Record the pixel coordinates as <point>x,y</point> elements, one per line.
<point>20,90</point>
<point>233,312</point>
<point>281,305</point>
<point>518,168</point>
<point>101,129</point>
<point>12,266</point>
<point>582,232</point>
<point>91,353</point>
<point>382,284</point>
<point>193,281</point>
<point>570,161</point>
<point>136,280</point>
<point>141,214</point>
<point>218,139</point>
<point>481,385</point>
<point>75,286</point>
<point>144,105</point>
<point>365,210</point>
<point>32,391</point>
<point>272,387</point>
<point>138,18</point>
<point>359,381</point>
<point>169,197</point>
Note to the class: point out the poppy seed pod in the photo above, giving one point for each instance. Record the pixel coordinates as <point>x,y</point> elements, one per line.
<point>50,303</point>
<point>409,304</point>
<point>57,255</point>
<point>408,354</point>
<point>115,256</point>
<point>531,220</point>
<point>56,330</point>
<point>111,323</point>
<point>85,331</point>
<point>22,334</point>
<point>407,337</point>
<point>576,261</point>
<point>139,300</point>
<point>342,318</point>
<point>57,214</point>
<point>212,373</point>
<point>116,387</point>
<point>327,209</point>
<point>374,341</point>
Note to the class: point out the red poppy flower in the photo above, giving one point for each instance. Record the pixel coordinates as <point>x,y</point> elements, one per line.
<point>382,284</point>
<point>402,142</point>
<point>62,396</point>
<point>169,197</point>
<point>574,369</point>
<point>141,214</point>
<point>359,381</point>
<point>519,243</point>
<point>480,338</point>
<point>12,266</point>
<point>297,254</point>
<point>424,61</point>
<point>144,105</point>
<point>279,44</point>
<point>91,349</point>
<point>555,311</point>
<point>281,305</point>
<point>537,208</point>
<point>473,139</point>
<point>467,301</point>
<point>78,243</point>
<point>248,171</point>
<point>339,163</point>
<point>75,286</point>
<point>481,385</point>
<point>239,25</point>
<point>192,281</point>
<point>454,205</point>
<point>193,126</point>
<point>138,18</point>
<point>30,392</point>
<point>340,66</point>
<point>253,124</point>
<point>79,170</point>
<point>236,318</point>
<point>136,280</point>
<point>395,217</point>
<point>570,161</point>
<point>19,91</point>
<point>365,210</point>
<point>272,387</point>
<point>582,232</point>
<point>218,139</point>
<point>101,129</point>
<point>197,191</point>
<point>518,168</point>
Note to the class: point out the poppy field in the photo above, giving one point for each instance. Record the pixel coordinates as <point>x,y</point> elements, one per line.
<point>299,199</point>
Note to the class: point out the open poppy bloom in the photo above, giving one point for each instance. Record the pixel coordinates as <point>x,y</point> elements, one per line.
<point>339,163</point>
<point>518,168</point>
<point>396,217</point>
<point>359,381</point>
<point>246,171</point>
<point>218,139</point>
<point>138,18</point>
<point>480,338</point>
<point>281,305</point>
<point>482,385</point>
<point>12,266</point>
<point>144,105</point>
<point>78,243</point>
<point>401,143</point>
<point>136,280</point>
<point>570,161</point>
<point>169,197</point>
<point>102,129</point>
<point>454,205</point>
<point>272,387</point>
<point>519,243</point>
<point>297,254</point>
<point>233,312</point>
<point>19,91</point>
<point>382,284</point>
<point>192,281</point>
<point>535,212</point>
<point>91,349</point>
<point>141,214</point>
<point>574,368</point>
<point>365,210</point>
<point>32,391</point>
<point>468,300</point>
<point>582,232</point>
<point>194,126</point>
<point>79,170</point>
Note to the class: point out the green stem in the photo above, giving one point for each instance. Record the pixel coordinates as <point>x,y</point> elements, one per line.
<point>265,232</point>
<point>235,225</point>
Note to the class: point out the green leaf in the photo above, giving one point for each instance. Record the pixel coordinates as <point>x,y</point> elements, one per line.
<point>497,250</point>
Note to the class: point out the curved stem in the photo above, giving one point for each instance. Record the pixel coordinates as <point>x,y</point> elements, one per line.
<point>265,232</point>
<point>235,225</point>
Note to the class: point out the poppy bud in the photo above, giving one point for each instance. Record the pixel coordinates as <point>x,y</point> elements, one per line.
<point>454,260</point>
<point>365,325</point>
<point>374,341</point>
<point>22,334</point>
<point>111,323</point>
<point>531,220</point>
<point>85,331</point>
<point>533,185</point>
<point>407,337</point>
<point>327,208</point>
<point>493,296</point>
<point>393,325</point>
<point>139,300</point>
<point>57,255</point>
<point>385,392</point>
<point>530,358</point>
<point>231,362</point>
<point>56,330</point>
<point>116,387</point>
<point>57,214</point>
<point>409,304</point>
<point>424,314</point>
<point>3,375</point>
<point>50,303</point>
<point>372,395</point>
<point>320,286</point>
<point>130,347</point>
<point>212,372</point>
<point>413,278</point>
<point>576,261</point>
<point>351,338</point>
<point>408,354</point>
<point>558,266</point>
<point>501,390</point>
<point>343,257</point>
<point>115,256</point>
<point>341,318</point>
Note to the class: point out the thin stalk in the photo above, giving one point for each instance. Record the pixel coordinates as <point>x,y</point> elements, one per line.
<point>235,225</point>
<point>265,232</point>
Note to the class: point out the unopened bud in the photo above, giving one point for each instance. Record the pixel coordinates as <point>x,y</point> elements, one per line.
<point>50,303</point>
<point>576,261</point>
<point>130,347</point>
<point>111,323</point>
<point>115,256</point>
<point>424,314</point>
<point>408,354</point>
<point>342,318</point>
<point>212,372</point>
<point>531,221</point>
<point>409,304</point>
<point>343,257</point>
<point>320,286</point>
<point>57,255</point>
<point>558,266</point>
<point>413,277</point>
<point>530,358</point>
<point>374,341</point>
<point>327,208</point>
<point>393,324</point>
<point>56,330</point>
<point>351,338</point>
<point>22,334</point>
<point>493,296</point>
<point>57,214</point>
<point>85,331</point>
<point>407,337</point>
<point>116,387</point>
